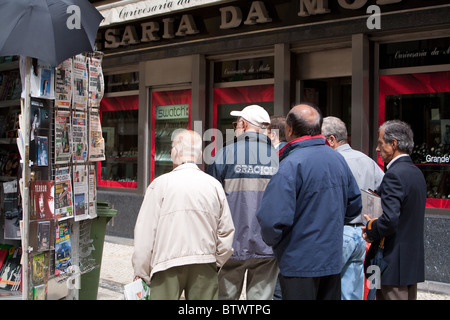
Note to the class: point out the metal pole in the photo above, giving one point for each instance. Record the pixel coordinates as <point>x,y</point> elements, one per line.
<point>26,179</point>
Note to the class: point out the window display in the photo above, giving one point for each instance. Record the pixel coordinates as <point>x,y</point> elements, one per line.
<point>119,118</point>
<point>423,101</point>
<point>170,111</point>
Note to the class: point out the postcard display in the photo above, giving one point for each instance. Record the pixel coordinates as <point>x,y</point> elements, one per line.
<point>65,142</point>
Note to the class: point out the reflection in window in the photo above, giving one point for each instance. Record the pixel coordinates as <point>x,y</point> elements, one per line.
<point>429,117</point>
<point>122,82</point>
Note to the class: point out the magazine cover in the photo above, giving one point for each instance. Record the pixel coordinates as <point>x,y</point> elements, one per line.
<point>40,118</point>
<point>39,268</point>
<point>42,79</point>
<point>4,253</point>
<point>13,212</point>
<point>62,248</point>
<point>11,273</point>
<point>42,199</point>
<point>63,194</point>
<point>42,151</point>
<point>40,292</point>
<point>43,235</point>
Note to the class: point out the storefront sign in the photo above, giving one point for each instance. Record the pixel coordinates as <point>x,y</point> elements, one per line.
<point>177,111</point>
<point>415,53</point>
<point>207,18</point>
<point>123,11</point>
<point>244,69</point>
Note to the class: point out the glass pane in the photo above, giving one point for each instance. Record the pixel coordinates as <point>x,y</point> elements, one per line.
<point>429,117</point>
<point>122,82</point>
<point>171,111</point>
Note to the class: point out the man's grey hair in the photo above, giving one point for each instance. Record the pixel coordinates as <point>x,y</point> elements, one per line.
<point>400,131</point>
<point>188,143</point>
<point>336,127</point>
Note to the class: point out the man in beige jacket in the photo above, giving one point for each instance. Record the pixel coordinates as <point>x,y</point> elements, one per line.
<point>184,231</point>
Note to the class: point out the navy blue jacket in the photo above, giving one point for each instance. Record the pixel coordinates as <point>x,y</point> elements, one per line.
<point>244,168</point>
<point>304,208</point>
<point>403,193</point>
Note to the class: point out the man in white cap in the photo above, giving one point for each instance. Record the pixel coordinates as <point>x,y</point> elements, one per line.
<point>244,167</point>
<point>251,118</point>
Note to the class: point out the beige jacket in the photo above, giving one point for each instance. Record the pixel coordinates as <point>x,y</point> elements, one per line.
<point>184,219</point>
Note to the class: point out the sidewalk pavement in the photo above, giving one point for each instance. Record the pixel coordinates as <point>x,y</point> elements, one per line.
<point>117,271</point>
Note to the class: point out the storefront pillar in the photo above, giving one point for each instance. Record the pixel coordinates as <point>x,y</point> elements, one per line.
<point>361,115</point>
<point>282,75</point>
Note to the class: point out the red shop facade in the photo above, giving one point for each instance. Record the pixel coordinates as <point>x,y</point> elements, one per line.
<point>365,61</point>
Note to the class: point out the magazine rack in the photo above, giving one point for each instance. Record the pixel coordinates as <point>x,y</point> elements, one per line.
<point>59,140</point>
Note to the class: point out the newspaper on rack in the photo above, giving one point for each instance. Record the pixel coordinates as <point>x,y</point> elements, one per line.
<point>63,84</point>
<point>80,191</point>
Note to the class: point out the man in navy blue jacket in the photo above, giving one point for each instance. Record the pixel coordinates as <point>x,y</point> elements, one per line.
<point>304,208</point>
<point>403,197</point>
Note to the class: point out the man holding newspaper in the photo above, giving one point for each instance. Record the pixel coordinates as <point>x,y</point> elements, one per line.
<point>403,196</point>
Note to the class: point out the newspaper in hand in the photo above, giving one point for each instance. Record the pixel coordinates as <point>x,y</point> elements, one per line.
<point>371,204</point>
<point>137,290</point>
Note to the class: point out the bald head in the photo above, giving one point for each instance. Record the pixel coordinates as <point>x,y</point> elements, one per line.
<point>302,120</point>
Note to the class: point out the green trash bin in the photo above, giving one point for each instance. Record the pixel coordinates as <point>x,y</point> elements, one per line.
<point>90,280</point>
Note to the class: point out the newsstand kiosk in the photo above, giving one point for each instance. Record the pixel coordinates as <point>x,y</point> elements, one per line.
<point>49,246</point>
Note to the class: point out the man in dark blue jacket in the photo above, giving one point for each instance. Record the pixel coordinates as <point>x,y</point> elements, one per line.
<point>304,208</point>
<point>403,193</point>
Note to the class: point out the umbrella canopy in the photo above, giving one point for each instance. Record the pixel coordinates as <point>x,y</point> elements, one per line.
<point>49,30</point>
<point>377,260</point>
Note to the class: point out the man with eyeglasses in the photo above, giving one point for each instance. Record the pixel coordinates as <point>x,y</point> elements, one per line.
<point>244,167</point>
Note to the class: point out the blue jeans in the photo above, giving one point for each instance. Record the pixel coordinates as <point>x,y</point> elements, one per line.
<point>353,253</point>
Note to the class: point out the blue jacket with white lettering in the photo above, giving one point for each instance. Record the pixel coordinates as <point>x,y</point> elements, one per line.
<point>304,208</point>
<point>244,168</point>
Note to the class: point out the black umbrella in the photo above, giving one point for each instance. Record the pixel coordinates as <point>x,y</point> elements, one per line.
<point>377,260</point>
<point>50,30</point>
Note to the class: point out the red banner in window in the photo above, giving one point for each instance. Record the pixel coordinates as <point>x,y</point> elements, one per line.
<point>250,95</point>
<point>117,104</point>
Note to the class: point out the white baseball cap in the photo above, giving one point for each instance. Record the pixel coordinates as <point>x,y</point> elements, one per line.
<point>254,114</point>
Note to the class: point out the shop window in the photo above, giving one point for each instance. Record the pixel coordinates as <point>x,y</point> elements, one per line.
<point>237,98</point>
<point>423,101</point>
<point>119,117</point>
<point>171,110</point>
<point>122,82</point>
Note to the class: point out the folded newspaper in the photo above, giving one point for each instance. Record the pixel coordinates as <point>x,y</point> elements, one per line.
<point>137,290</point>
<point>371,204</point>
